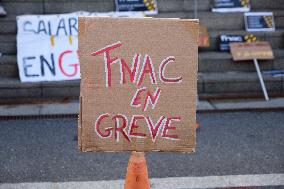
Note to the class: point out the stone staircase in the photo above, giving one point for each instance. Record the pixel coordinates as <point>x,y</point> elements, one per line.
<point>219,76</point>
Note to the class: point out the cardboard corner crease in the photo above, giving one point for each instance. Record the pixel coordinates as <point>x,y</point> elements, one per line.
<point>138,84</point>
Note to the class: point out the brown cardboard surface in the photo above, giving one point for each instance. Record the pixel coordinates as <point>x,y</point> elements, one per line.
<point>250,51</point>
<point>171,46</point>
<point>203,36</point>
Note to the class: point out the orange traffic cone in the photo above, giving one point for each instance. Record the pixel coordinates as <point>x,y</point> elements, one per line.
<point>137,174</point>
<point>197,126</point>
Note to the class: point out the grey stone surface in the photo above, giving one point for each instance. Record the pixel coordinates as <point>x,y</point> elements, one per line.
<point>8,44</point>
<point>8,47</point>
<point>8,59</point>
<point>12,88</point>
<point>23,7</point>
<point>278,64</point>
<point>14,83</point>
<point>279,53</point>
<point>248,104</point>
<point>52,6</point>
<point>222,62</point>
<point>8,66</point>
<point>10,24</point>
<point>234,82</point>
<point>180,14</point>
<point>239,143</point>
<point>66,83</point>
<point>170,5</point>
<point>20,110</point>
<point>282,85</point>
<point>61,91</point>
<point>204,105</point>
<point>64,108</point>
<point>203,5</point>
<point>8,70</point>
<point>264,5</point>
<point>279,22</point>
<point>216,21</point>
<point>11,38</point>
<point>18,93</point>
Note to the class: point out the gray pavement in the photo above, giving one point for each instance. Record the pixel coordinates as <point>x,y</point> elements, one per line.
<point>236,143</point>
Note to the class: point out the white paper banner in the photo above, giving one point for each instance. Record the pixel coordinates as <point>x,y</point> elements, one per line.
<point>47,45</point>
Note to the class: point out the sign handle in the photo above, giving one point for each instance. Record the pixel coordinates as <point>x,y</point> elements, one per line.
<point>260,79</point>
<point>137,173</point>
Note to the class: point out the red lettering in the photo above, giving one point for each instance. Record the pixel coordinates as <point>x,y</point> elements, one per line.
<point>162,68</point>
<point>154,129</point>
<point>60,62</point>
<point>167,127</point>
<point>147,63</point>
<point>137,96</point>
<point>153,99</point>
<point>120,126</point>
<point>133,71</point>
<point>121,129</point>
<point>133,126</point>
<point>97,127</point>
<point>108,60</point>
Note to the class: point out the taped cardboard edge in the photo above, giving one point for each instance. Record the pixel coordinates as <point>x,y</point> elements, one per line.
<point>80,126</point>
<point>184,150</point>
<point>81,32</point>
<point>138,18</point>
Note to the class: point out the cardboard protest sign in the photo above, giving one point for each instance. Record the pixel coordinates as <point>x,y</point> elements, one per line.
<point>203,36</point>
<point>231,6</point>
<point>250,51</point>
<point>149,7</point>
<point>259,21</point>
<point>138,85</point>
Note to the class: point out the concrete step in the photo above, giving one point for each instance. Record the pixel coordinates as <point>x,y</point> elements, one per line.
<point>59,6</point>
<point>222,21</point>
<point>10,24</point>
<point>237,85</point>
<point>8,42</point>
<point>18,7</point>
<point>8,66</point>
<point>222,62</point>
<point>13,89</point>
<point>214,21</point>
<point>210,85</point>
<point>205,5</point>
